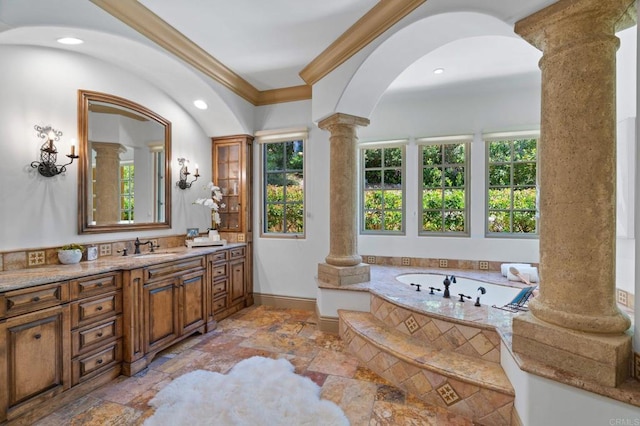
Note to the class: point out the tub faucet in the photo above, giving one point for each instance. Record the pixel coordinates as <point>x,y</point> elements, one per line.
<point>481,291</point>
<point>447,283</point>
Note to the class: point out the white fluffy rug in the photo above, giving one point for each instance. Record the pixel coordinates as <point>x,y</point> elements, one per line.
<point>257,391</point>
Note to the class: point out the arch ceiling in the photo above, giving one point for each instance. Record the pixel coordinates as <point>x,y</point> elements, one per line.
<point>406,59</point>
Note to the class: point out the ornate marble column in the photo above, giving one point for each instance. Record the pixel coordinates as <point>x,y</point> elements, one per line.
<point>107,182</point>
<point>574,323</point>
<point>343,264</point>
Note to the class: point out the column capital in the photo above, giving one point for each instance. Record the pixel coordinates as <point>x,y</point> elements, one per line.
<point>568,20</point>
<point>340,118</point>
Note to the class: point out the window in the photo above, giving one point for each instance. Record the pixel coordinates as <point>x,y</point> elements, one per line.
<point>444,186</point>
<point>382,186</point>
<point>511,195</point>
<point>126,192</point>
<point>283,183</point>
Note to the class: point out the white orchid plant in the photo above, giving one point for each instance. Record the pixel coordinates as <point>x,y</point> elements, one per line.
<point>214,202</point>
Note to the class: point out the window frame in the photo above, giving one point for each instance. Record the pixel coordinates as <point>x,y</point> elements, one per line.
<point>264,138</point>
<point>441,141</point>
<point>511,137</point>
<point>402,144</point>
<point>130,195</point>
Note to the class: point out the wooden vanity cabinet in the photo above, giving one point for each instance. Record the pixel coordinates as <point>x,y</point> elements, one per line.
<point>228,288</point>
<point>96,326</point>
<point>164,303</point>
<point>34,347</point>
<point>232,162</point>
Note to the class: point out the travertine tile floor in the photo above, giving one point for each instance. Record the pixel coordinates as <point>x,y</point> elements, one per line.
<point>366,398</point>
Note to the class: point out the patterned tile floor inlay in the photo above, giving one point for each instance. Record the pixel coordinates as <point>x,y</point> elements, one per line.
<point>365,397</point>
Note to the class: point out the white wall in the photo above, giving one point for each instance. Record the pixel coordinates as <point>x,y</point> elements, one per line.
<point>487,106</point>
<point>285,266</point>
<point>39,86</point>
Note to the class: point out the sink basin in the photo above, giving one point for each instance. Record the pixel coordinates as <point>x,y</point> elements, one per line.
<point>153,255</point>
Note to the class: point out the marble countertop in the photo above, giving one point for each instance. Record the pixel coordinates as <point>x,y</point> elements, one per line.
<point>23,278</point>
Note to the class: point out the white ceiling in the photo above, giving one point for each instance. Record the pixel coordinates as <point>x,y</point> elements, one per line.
<point>269,42</point>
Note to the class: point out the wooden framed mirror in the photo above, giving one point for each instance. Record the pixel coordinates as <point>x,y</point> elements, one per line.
<point>124,167</point>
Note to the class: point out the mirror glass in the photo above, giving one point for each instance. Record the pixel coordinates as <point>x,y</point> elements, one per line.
<point>125,152</point>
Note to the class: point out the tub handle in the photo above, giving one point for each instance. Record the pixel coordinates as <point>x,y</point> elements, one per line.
<point>432,289</point>
<point>417,285</point>
<point>462,296</point>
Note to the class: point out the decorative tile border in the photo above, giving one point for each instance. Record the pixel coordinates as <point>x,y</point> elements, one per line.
<point>480,265</point>
<point>462,339</point>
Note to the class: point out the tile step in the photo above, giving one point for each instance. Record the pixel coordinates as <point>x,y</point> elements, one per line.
<point>420,354</point>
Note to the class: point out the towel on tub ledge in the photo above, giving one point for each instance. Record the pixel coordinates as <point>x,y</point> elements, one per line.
<point>529,272</point>
<point>504,268</point>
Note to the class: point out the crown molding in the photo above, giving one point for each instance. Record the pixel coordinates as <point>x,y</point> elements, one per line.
<point>147,23</point>
<point>376,21</point>
<point>286,94</point>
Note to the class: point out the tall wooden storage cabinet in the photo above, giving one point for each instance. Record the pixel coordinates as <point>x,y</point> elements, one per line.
<point>232,172</point>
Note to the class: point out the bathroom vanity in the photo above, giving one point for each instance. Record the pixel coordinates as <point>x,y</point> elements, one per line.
<point>67,329</point>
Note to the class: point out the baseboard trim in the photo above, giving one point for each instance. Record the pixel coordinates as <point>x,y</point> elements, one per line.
<point>286,302</point>
<point>327,324</point>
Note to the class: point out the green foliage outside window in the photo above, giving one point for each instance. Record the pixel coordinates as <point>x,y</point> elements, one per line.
<point>444,188</point>
<point>284,187</point>
<point>126,192</point>
<point>382,191</point>
<point>512,186</point>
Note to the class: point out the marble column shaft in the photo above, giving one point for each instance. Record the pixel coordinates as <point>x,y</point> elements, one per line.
<point>343,249</point>
<point>107,187</point>
<point>577,170</point>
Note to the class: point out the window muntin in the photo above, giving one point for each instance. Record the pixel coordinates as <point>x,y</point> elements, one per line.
<point>511,187</point>
<point>283,188</point>
<point>382,189</point>
<point>444,192</point>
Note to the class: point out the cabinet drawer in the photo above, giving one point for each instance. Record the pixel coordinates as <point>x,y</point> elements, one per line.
<point>89,365</point>
<point>32,299</point>
<point>236,252</point>
<point>96,284</point>
<point>219,271</point>
<point>175,268</point>
<point>220,287</point>
<point>219,304</point>
<point>95,308</point>
<point>219,256</point>
<point>84,339</point>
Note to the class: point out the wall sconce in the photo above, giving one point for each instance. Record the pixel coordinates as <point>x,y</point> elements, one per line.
<point>184,174</point>
<point>49,154</point>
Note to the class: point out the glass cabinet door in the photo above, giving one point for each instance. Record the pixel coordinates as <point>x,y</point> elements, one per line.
<point>227,169</point>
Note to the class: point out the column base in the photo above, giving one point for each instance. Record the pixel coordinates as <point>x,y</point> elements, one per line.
<point>343,275</point>
<point>600,358</point>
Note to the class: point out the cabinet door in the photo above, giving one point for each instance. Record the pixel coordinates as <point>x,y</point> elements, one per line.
<point>193,301</point>
<point>161,313</point>
<point>37,358</point>
<point>236,268</point>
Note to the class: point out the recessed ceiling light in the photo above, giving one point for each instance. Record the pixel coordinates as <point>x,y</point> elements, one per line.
<point>70,40</point>
<point>200,104</point>
<point>438,71</point>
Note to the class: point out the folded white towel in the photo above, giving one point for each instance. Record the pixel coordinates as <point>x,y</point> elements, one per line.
<point>529,272</point>
<point>504,268</point>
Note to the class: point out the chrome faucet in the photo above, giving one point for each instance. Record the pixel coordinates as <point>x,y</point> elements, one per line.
<point>139,243</point>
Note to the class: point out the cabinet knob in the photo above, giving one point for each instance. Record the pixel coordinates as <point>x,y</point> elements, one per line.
<point>35,299</point>
<point>99,285</point>
<point>37,336</point>
<point>99,361</point>
<point>99,334</point>
<point>99,308</point>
